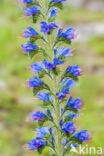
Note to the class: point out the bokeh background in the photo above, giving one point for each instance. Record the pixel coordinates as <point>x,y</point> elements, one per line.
<point>16,101</point>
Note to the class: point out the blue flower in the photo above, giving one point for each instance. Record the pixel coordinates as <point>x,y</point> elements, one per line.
<point>51,66</point>
<point>61,95</point>
<point>61,123</point>
<point>62,111</point>
<point>74,70</point>
<point>76,104</point>
<point>49,113</point>
<point>46,28</point>
<point>38,116</point>
<point>52,25</point>
<point>41,132</point>
<point>65,91</point>
<point>31,11</point>
<point>68,127</point>
<point>63,141</point>
<point>36,143</point>
<point>63,52</point>
<point>27,1</point>
<point>82,135</point>
<point>56,61</point>
<point>73,116</point>
<point>31,33</point>
<point>68,83</point>
<point>66,144</point>
<point>35,82</point>
<point>29,47</point>
<point>68,34</point>
<point>53,12</point>
<point>74,145</point>
<point>37,67</point>
<point>57,1</point>
<point>48,64</point>
<point>43,96</point>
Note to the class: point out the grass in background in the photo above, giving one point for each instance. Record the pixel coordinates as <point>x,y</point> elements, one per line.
<point>97,45</point>
<point>16,101</point>
<point>79,15</point>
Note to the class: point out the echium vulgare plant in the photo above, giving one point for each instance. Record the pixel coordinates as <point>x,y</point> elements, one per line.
<point>50,84</point>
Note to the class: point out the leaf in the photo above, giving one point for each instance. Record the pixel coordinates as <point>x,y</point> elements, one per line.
<point>52,19</point>
<point>36,16</point>
<point>69,75</point>
<point>55,71</point>
<point>58,5</point>
<point>42,106</point>
<point>33,39</point>
<point>67,41</point>
<point>35,90</point>
<point>61,39</point>
<point>71,109</point>
<point>38,50</point>
<point>66,119</point>
<point>41,74</point>
<point>40,123</point>
<point>32,53</point>
<point>43,51</point>
<point>40,150</point>
<point>45,86</point>
<point>46,103</point>
<point>54,4</point>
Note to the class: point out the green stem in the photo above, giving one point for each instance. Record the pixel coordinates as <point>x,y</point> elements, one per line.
<point>43,9</point>
<point>54,81</point>
<point>58,116</point>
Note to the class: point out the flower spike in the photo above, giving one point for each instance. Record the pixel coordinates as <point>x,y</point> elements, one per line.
<point>50,84</point>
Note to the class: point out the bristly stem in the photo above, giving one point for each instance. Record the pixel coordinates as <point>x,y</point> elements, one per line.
<point>54,81</point>
<point>59,146</point>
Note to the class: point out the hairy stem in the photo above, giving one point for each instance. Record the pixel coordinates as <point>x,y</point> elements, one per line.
<point>59,146</point>
<point>54,81</point>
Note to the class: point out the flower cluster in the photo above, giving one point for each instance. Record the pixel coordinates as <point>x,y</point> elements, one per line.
<point>29,47</point>
<point>49,84</point>
<point>31,33</point>
<point>38,116</point>
<point>31,11</point>
<point>47,28</point>
<point>36,143</point>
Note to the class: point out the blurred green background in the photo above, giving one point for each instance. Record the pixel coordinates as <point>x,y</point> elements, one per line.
<point>16,101</point>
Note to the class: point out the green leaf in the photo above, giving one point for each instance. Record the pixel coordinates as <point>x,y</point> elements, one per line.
<point>38,50</point>
<point>33,39</point>
<point>40,150</point>
<point>45,86</point>
<point>52,19</point>
<point>46,103</point>
<point>40,123</point>
<point>43,51</point>
<point>69,75</point>
<point>54,4</point>
<point>32,53</point>
<point>41,73</point>
<point>42,106</point>
<point>55,71</point>
<point>66,119</point>
<point>35,90</point>
<point>67,41</point>
<point>58,5</point>
<point>71,109</point>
